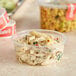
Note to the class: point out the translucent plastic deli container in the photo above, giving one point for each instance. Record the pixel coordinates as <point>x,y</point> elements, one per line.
<point>59,15</point>
<point>38,55</point>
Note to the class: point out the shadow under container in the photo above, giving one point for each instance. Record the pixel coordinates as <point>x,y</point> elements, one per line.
<point>38,55</point>
<point>53,15</point>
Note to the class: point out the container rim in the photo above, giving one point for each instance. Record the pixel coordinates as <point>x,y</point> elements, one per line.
<point>19,33</point>
<point>55,5</point>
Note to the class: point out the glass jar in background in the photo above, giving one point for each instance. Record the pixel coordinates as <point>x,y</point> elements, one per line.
<point>55,15</point>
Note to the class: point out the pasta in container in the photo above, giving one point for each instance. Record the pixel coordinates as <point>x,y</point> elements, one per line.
<point>39,47</point>
<point>59,15</point>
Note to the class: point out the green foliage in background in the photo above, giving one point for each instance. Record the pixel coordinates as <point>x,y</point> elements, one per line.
<point>8,4</point>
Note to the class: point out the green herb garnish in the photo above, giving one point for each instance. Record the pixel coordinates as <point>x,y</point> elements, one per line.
<point>57,16</point>
<point>59,56</point>
<point>35,43</point>
<point>62,25</point>
<point>50,50</point>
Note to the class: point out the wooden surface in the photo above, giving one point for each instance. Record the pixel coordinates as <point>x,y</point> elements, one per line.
<point>27,17</point>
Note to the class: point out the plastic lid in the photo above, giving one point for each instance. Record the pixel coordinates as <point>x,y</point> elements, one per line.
<point>56,3</point>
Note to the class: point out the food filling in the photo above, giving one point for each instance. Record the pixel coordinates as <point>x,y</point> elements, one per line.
<point>38,48</point>
<point>55,19</point>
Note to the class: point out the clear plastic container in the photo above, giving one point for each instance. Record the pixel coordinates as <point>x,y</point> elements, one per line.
<point>38,55</point>
<point>53,15</point>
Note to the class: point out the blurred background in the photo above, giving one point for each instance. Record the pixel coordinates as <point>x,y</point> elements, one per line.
<point>11,5</point>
